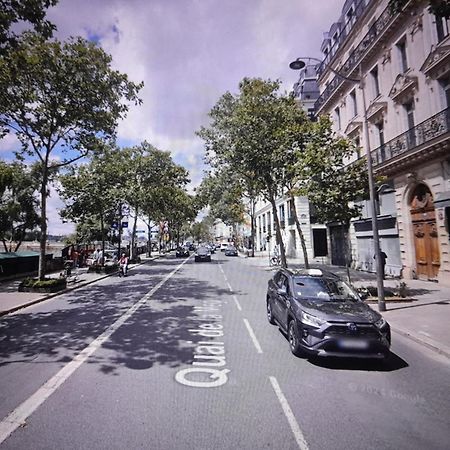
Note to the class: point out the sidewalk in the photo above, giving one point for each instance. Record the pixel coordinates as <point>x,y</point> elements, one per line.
<point>11,300</point>
<point>423,317</point>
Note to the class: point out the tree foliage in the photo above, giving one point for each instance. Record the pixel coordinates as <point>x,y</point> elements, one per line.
<point>63,101</point>
<point>253,133</point>
<point>222,192</point>
<point>18,204</point>
<point>32,12</point>
<point>325,176</point>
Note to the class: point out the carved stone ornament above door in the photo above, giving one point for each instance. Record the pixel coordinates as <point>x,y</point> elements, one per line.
<point>437,62</point>
<point>403,88</point>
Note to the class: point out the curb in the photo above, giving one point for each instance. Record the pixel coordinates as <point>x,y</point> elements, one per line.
<point>65,291</point>
<point>428,343</point>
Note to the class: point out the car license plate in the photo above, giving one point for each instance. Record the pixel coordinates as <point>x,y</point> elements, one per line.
<point>355,344</point>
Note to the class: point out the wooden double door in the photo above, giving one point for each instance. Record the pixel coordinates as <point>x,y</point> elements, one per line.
<point>426,241</point>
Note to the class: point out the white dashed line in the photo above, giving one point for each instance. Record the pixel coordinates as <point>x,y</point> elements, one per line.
<point>253,336</point>
<point>237,303</point>
<point>18,417</point>
<point>301,442</point>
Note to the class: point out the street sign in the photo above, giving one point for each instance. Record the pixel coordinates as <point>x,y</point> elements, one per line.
<point>124,224</point>
<point>115,225</point>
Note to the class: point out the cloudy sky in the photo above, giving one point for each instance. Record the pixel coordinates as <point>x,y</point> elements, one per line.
<point>188,53</point>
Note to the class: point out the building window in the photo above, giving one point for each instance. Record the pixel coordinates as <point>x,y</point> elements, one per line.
<point>350,19</point>
<point>375,81</point>
<point>281,209</point>
<point>403,60</point>
<point>446,88</point>
<point>409,110</point>
<point>337,118</point>
<point>442,28</point>
<point>354,105</point>
<point>357,143</point>
<point>380,130</point>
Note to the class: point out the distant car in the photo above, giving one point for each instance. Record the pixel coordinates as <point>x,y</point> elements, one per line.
<point>223,246</point>
<point>323,315</point>
<point>182,252</point>
<point>191,247</point>
<point>202,254</point>
<point>231,251</point>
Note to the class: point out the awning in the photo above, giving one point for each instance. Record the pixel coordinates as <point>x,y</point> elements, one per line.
<point>442,200</point>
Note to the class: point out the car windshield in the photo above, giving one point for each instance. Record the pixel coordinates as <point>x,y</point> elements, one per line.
<point>202,251</point>
<point>324,289</point>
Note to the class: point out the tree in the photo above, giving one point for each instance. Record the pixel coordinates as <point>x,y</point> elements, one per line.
<point>63,101</point>
<point>222,192</point>
<point>18,207</point>
<point>92,195</point>
<point>324,175</point>
<point>159,185</point>
<point>28,11</point>
<point>251,133</point>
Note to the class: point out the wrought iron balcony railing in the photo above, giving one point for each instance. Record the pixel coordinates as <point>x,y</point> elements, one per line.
<point>291,221</point>
<point>424,132</point>
<point>375,31</point>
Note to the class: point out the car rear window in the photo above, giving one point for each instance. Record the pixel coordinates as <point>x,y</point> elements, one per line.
<point>323,289</point>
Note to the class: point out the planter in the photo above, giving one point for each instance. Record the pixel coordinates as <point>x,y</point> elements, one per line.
<point>47,286</point>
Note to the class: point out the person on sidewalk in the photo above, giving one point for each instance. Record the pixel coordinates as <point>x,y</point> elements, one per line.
<point>383,262</point>
<point>123,264</point>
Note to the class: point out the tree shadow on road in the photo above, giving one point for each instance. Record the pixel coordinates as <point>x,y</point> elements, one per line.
<point>157,333</point>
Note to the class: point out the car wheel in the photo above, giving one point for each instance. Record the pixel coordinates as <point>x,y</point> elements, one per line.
<point>294,341</point>
<point>269,312</point>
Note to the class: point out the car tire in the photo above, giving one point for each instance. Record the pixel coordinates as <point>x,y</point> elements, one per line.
<point>270,317</point>
<point>294,340</point>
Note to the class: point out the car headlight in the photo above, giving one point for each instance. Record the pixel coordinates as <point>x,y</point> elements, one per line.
<point>314,321</point>
<point>380,323</point>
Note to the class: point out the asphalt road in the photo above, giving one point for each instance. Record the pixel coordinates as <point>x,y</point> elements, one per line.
<point>179,355</point>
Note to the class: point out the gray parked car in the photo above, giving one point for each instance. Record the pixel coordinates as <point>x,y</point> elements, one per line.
<point>323,315</point>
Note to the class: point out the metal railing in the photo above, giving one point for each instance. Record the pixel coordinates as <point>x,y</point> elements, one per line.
<point>426,131</point>
<point>375,31</point>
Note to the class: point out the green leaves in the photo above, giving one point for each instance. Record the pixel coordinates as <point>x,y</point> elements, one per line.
<point>18,205</point>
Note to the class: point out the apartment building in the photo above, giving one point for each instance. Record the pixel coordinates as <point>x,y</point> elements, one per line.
<point>403,62</point>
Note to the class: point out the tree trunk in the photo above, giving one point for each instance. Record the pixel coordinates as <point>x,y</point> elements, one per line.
<point>300,233</point>
<point>43,237</point>
<point>149,239</point>
<point>102,229</point>
<point>278,232</point>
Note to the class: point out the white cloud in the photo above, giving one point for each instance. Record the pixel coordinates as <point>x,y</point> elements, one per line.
<point>188,53</point>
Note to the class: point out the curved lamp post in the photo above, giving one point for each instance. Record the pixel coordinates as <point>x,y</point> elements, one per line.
<point>298,64</point>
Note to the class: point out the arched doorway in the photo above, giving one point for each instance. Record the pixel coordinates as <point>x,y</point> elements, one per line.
<point>425,233</point>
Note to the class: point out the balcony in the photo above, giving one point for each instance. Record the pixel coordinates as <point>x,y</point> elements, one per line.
<point>282,223</point>
<point>377,33</point>
<point>291,221</point>
<point>416,144</point>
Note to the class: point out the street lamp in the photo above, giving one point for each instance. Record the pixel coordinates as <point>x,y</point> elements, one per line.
<point>300,64</point>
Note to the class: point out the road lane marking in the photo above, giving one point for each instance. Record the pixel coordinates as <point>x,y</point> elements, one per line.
<point>253,336</point>
<point>301,442</point>
<point>237,303</point>
<point>18,417</point>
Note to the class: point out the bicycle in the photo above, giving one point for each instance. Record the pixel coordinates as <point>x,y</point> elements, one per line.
<point>275,260</point>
